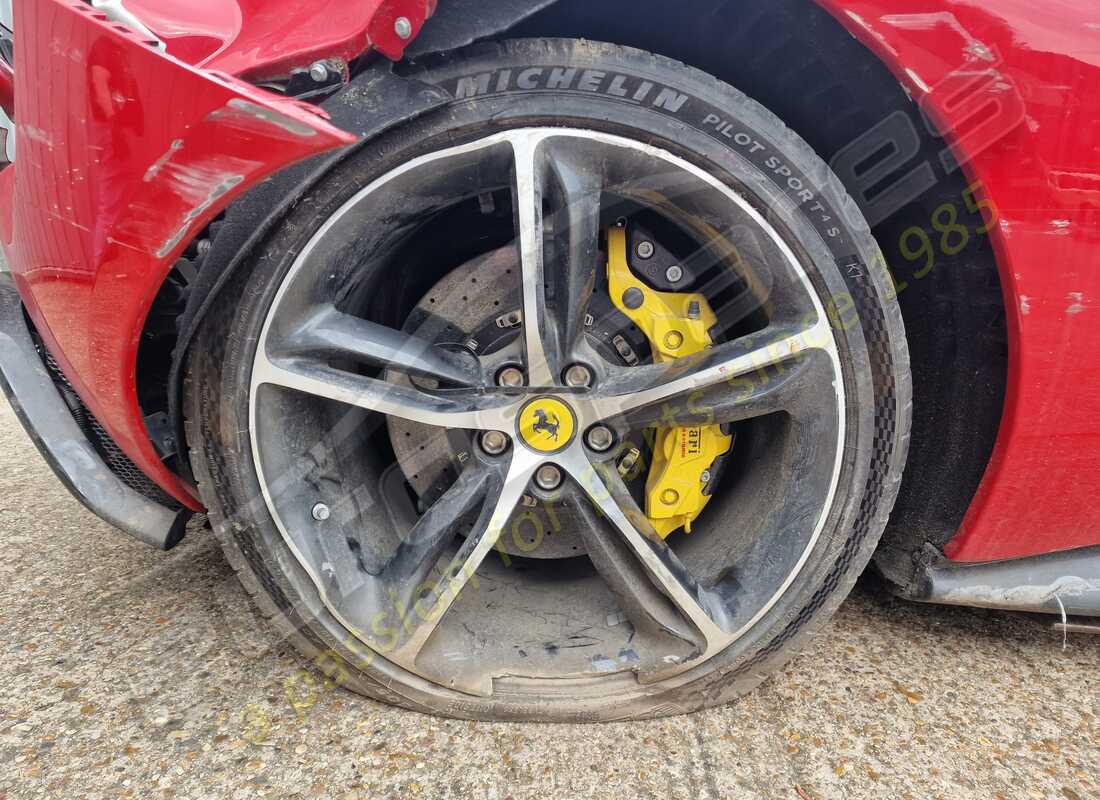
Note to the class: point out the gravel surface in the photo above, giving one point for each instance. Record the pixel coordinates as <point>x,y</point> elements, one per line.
<point>126,672</point>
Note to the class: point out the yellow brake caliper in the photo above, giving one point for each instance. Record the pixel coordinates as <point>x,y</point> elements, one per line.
<point>676,325</point>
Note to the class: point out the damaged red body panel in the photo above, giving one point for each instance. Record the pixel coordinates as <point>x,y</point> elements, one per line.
<point>258,39</point>
<point>124,155</point>
<point>1014,92</point>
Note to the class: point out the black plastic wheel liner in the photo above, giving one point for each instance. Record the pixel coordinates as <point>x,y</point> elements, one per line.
<point>458,23</point>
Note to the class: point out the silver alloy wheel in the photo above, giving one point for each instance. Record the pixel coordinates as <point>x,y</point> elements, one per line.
<point>305,332</point>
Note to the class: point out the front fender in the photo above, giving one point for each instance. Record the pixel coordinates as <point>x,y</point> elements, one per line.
<point>123,154</point>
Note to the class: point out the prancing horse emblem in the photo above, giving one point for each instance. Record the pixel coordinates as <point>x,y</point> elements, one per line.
<point>543,423</point>
<point>546,424</point>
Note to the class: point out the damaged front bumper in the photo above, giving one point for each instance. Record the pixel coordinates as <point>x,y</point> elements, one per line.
<point>38,403</point>
<point>123,155</point>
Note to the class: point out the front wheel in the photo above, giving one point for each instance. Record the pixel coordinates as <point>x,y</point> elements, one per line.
<point>582,398</point>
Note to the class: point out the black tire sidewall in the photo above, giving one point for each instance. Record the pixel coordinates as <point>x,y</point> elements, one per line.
<point>773,172</point>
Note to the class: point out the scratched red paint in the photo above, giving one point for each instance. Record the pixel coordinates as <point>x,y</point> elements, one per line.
<point>257,39</point>
<point>124,155</point>
<point>1040,492</point>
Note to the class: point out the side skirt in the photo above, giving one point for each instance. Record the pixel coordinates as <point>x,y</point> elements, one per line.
<point>1065,583</point>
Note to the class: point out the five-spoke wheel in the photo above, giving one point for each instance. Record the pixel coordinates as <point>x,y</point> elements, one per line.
<point>546,406</point>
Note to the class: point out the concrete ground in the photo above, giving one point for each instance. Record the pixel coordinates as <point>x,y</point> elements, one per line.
<point>130,673</point>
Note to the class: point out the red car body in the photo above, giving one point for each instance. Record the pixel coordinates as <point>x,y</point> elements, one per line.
<point>970,63</point>
<point>127,152</point>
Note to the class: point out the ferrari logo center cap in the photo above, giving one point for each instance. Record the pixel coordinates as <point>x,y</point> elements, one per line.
<point>546,425</point>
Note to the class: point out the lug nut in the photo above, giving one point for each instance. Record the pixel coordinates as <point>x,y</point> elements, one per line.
<point>600,438</point>
<point>548,477</point>
<point>645,250</point>
<point>578,376</point>
<point>494,442</point>
<point>674,273</point>
<point>512,377</point>
<point>402,27</point>
<point>321,512</point>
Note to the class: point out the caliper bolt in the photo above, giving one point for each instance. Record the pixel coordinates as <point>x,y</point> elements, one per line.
<point>705,477</point>
<point>321,512</point>
<point>633,298</point>
<point>645,250</point>
<point>512,377</point>
<point>578,376</point>
<point>494,442</point>
<point>600,438</point>
<point>673,340</point>
<point>674,273</point>
<point>319,71</point>
<point>402,27</point>
<point>548,477</point>
<point>670,497</point>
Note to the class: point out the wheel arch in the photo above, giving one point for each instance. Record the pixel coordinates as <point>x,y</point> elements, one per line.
<point>216,253</point>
